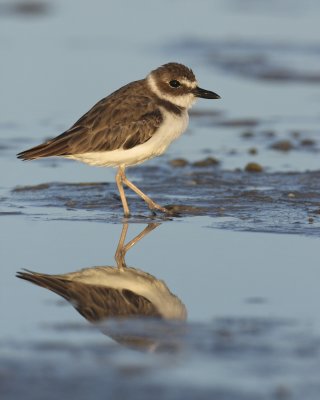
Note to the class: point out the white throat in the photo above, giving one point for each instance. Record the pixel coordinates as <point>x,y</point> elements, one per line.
<point>185,101</point>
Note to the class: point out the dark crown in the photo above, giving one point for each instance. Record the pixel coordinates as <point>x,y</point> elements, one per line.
<point>174,70</point>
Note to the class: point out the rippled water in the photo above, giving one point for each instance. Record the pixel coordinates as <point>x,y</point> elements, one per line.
<point>239,255</point>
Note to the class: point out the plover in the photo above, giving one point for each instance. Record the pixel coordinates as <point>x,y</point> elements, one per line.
<point>133,124</point>
<point>100,293</point>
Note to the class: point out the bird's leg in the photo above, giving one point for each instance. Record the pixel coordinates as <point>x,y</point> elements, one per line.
<point>151,204</point>
<point>121,251</point>
<point>119,179</point>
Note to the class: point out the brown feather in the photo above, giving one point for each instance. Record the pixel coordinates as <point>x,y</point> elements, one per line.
<point>126,118</point>
<point>94,302</point>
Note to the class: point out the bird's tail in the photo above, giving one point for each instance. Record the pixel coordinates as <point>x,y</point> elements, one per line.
<point>54,283</point>
<point>47,149</point>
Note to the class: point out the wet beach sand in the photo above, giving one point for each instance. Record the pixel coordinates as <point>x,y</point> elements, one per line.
<point>239,254</point>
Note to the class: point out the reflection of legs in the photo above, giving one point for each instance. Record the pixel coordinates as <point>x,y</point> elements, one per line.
<point>151,204</point>
<point>119,179</point>
<point>121,252</point>
<point>122,248</point>
<point>136,239</point>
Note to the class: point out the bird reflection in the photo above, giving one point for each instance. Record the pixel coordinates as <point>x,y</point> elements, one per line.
<point>102,294</point>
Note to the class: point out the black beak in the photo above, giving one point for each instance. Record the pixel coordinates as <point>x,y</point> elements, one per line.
<point>205,94</point>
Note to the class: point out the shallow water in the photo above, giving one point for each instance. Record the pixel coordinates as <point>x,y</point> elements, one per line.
<point>240,250</point>
<point>248,310</point>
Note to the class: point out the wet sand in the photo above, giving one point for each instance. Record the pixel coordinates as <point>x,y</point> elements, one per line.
<point>283,202</point>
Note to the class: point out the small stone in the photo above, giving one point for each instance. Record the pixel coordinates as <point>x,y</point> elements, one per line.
<point>253,151</point>
<point>178,163</point>
<point>307,143</point>
<point>282,145</point>
<point>295,134</point>
<point>310,220</point>
<point>247,134</point>
<point>206,162</point>
<point>269,134</point>
<point>253,167</point>
<point>291,195</point>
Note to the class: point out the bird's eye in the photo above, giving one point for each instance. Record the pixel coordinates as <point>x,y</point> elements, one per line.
<point>174,83</point>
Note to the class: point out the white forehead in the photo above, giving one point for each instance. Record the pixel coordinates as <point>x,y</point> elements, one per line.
<point>189,84</point>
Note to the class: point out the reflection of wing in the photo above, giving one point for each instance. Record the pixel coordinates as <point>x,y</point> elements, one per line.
<point>126,118</point>
<point>95,302</point>
<point>106,292</point>
<point>136,292</point>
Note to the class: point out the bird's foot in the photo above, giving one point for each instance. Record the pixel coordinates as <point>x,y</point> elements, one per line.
<point>156,207</point>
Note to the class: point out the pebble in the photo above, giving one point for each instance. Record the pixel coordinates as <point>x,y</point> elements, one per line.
<point>206,162</point>
<point>253,167</point>
<point>178,163</point>
<point>282,145</point>
<point>253,151</point>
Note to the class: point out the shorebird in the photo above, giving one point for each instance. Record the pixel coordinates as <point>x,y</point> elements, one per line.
<point>101,293</point>
<point>133,124</point>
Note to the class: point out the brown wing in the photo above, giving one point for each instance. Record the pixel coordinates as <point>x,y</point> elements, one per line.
<point>124,119</point>
<point>93,302</point>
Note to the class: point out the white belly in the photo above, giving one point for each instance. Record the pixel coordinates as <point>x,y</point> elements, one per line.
<point>171,128</point>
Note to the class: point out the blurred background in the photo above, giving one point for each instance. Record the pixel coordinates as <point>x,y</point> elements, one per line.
<point>58,58</point>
